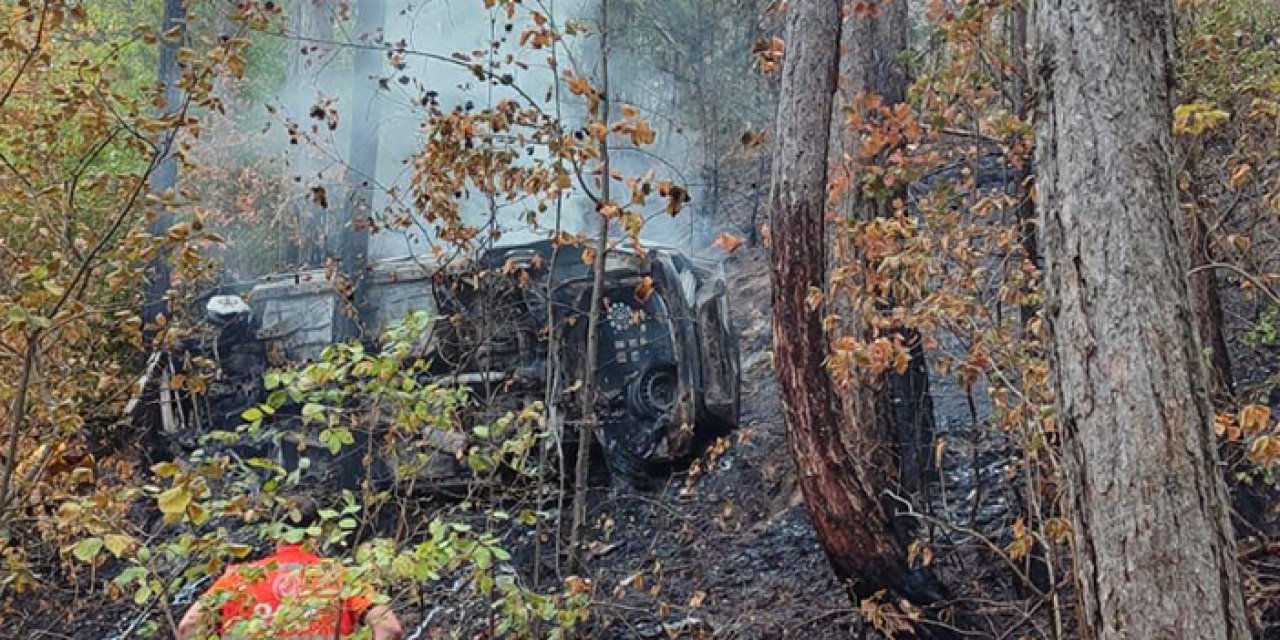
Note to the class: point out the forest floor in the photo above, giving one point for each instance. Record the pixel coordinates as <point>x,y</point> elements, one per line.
<point>721,550</point>
<point>725,550</point>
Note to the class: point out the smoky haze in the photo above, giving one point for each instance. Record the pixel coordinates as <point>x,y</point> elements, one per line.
<point>386,111</point>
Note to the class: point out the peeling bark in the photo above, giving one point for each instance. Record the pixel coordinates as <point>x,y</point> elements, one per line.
<point>1154,550</point>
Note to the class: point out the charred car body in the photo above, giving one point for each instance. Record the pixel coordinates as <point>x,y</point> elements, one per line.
<point>666,372</point>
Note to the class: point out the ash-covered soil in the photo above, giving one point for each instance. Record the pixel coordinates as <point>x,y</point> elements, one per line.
<point>724,550</point>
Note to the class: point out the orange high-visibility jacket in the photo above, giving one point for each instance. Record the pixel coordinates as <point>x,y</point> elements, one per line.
<point>295,594</point>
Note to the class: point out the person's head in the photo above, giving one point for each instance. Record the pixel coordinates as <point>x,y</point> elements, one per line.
<point>294,514</point>
<point>301,511</point>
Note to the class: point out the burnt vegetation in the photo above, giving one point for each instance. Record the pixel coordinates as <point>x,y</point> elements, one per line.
<point>645,318</point>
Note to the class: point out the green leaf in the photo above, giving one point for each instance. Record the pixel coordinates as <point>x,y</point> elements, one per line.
<point>312,411</point>
<point>252,414</point>
<point>86,550</point>
<point>1196,118</point>
<point>131,574</point>
<point>277,398</point>
<point>16,314</point>
<point>483,558</point>
<point>403,566</point>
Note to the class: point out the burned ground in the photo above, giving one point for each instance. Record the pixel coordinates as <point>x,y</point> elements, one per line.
<point>724,549</point>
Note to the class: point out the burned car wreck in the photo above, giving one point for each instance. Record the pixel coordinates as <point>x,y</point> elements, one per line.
<point>512,327</point>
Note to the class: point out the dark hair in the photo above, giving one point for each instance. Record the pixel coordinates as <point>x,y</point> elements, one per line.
<point>300,511</point>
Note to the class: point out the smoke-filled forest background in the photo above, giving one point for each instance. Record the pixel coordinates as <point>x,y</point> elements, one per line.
<point>1001,280</point>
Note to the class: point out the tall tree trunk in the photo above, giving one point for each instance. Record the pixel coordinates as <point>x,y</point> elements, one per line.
<point>872,41</point>
<point>165,175</point>
<point>362,169</point>
<point>1155,557</point>
<point>839,484</point>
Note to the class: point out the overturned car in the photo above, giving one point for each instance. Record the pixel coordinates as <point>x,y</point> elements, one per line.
<point>511,327</point>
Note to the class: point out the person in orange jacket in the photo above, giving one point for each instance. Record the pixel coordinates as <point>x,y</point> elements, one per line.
<point>292,594</point>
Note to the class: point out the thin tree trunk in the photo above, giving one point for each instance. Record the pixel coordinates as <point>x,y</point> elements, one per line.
<point>165,175</point>
<point>362,172</point>
<point>837,480</point>
<point>1038,565</point>
<point>1206,306</point>
<point>1249,500</point>
<point>872,42</point>
<point>553,391</point>
<point>1155,557</point>
<point>1022,176</point>
<point>590,424</point>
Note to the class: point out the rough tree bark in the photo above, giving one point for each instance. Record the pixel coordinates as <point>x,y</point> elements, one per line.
<point>838,483</point>
<point>872,40</point>
<point>1154,551</point>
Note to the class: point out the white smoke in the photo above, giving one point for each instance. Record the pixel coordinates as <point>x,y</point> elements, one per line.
<point>442,28</point>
